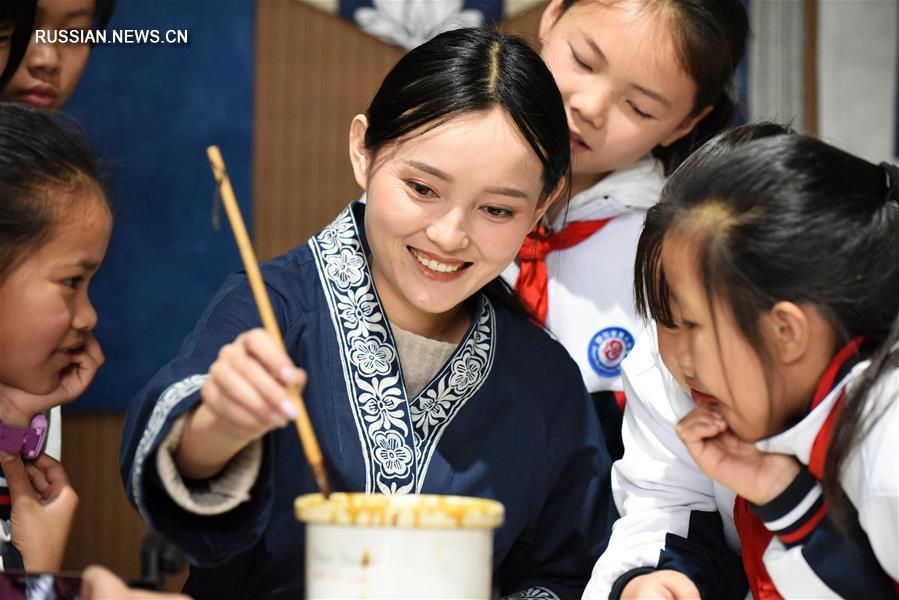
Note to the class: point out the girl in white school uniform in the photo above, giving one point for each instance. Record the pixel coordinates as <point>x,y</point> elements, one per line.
<point>791,372</point>
<point>643,81</point>
<point>666,503</point>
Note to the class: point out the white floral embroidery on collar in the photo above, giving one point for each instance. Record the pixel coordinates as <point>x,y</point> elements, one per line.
<point>398,436</point>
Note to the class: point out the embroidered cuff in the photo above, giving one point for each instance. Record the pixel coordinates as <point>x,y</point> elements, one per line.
<point>532,593</point>
<point>218,495</point>
<point>795,513</point>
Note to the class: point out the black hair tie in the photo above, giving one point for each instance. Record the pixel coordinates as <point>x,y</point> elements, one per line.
<point>891,172</point>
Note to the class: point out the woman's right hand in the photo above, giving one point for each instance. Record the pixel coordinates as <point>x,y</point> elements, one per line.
<point>43,509</point>
<point>248,390</point>
<point>247,394</point>
<point>664,584</point>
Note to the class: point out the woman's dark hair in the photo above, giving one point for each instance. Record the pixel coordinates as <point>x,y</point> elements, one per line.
<point>20,14</point>
<point>650,289</point>
<point>469,70</point>
<point>790,218</point>
<point>39,156</point>
<point>711,39</point>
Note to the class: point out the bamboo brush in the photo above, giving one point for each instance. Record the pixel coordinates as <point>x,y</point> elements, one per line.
<point>304,426</point>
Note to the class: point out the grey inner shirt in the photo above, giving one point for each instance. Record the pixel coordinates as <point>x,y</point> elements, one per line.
<point>420,358</point>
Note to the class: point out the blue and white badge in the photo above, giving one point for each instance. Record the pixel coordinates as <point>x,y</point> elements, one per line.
<point>608,348</point>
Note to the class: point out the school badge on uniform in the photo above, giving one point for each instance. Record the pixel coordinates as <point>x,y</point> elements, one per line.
<point>608,348</point>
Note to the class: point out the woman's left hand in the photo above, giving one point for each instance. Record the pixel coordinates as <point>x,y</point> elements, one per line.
<point>755,475</point>
<point>19,406</point>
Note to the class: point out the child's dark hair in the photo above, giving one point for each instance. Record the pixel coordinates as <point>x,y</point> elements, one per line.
<point>650,289</point>
<point>711,38</point>
<point>38,157</point>
<point>469,70</point>
<point>20,14</point>
<point>791,218</point>
<point>103,10</point>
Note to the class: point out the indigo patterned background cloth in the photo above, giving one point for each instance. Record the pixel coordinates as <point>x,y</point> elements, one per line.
<point>408,23</point>
<point>150,111</point>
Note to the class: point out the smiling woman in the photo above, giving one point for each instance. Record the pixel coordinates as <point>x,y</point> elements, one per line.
<point>438,231</point>
<point>424,375</point>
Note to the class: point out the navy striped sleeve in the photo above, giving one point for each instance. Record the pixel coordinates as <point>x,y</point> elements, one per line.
<point>840,556</point>
<point>794,514</point>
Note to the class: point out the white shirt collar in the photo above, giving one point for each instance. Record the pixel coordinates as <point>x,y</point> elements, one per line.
<point>799,439</point>
<point>636,187</point>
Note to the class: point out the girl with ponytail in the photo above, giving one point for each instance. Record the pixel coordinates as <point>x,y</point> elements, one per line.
<point>778,270</point>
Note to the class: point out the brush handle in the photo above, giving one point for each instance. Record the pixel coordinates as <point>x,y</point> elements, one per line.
<point>304,425</point>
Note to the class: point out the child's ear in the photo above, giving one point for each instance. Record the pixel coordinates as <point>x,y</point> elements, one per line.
<point>685,127</point>
<point>360,157</point>
<point>550,15</point>
<point>793,329</point>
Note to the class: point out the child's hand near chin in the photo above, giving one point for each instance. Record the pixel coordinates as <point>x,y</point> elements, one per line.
<point>43,508</point>
<point>19,406</point>
<point>79,376</point>
<point>755,475</point>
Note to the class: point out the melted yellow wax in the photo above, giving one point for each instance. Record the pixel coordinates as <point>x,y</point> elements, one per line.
<point>422,511</point>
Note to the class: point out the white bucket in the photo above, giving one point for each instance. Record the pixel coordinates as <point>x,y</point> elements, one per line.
<point>377,546</point>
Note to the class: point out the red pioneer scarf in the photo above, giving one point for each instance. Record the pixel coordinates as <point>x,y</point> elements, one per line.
<point>532,281</point>
<point>754,536</point>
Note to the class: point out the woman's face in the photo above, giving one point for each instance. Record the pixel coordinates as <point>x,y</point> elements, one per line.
<point>624,90</point>
<point>49,73</point>
<point>447,210</point>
